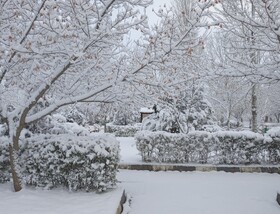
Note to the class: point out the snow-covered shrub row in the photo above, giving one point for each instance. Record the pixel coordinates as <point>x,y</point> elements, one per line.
<point>273,141</point>
<point>167,147</point>
<point>78,163</point>
<point>4,160</point>
<point>223,147</point>
<point>239,147</point>
<point>122,131</point>
<point>57,124</point>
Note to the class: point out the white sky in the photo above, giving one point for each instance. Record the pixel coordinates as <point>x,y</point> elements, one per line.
<point>156,5</point>
<point>152,18</point>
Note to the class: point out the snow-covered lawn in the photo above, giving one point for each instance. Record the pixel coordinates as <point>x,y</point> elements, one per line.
<point>200,192</point>
<point>35,201</point>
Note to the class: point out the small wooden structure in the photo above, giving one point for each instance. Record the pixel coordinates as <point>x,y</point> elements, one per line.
<point>145,112</point>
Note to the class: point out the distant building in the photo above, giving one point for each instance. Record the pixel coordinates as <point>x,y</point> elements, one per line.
<point>145,112</point>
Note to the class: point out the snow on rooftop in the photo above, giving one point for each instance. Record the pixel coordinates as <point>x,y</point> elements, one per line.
<point>146,110</point>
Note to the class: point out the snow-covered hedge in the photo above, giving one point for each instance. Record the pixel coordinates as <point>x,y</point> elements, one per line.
<point>4,160</point>
<point>122,131</point>
<point>57,124</point>
<point>84,162</point>
<point>273,144</point>
<point>223,147</point>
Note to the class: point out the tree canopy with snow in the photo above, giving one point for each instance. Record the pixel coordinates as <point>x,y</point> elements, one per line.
<point>73,51</point>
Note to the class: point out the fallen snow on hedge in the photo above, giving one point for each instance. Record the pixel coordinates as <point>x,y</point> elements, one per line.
<point>76,162</point>
<point>4,159</point>
<point>222,147</point>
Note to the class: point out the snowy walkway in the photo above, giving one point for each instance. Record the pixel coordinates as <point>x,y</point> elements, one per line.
<point>200,192</point>
<point>129,153</point>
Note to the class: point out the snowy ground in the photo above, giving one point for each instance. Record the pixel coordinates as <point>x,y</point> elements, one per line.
<point>31,201</point>
<point>156,193</point>
<point>196,192</point>
<point>129,153</point>
<point>200,192</point>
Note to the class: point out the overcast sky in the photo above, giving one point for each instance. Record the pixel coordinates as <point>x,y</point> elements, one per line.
<point>152,18</point>
<point>156,5</point>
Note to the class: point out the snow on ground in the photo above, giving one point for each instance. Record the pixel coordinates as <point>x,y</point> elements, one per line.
<point>129,153</point>
<point>201,192</point>
<point>155,193</point>
<point>36,201</point>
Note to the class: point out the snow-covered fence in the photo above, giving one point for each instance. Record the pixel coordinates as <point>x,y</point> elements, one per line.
<point>223,147</point>
<point>122,131</point>
<point>84,162</point>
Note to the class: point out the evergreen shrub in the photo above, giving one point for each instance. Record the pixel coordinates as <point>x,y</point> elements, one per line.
<point>78,163</point>
<point>222,147</point>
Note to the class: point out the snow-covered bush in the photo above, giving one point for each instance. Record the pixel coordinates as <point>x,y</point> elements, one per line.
<point>74,114</point>
<point>176,148</point>
<point>4,160</point>
<point>187,111</point>
<point>223,147</point>
<point>124,116</point>
<point>3,130</point>
<point>273,142</point>
<point>57,124</point>
<point>78,163</point>
<point>161,121</point>
<point>211,128</point>
<point>239,147</point>
<point>122,131</point>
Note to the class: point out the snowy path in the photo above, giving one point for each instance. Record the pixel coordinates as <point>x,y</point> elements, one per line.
<point>201,192</point>
<point>129,153</point>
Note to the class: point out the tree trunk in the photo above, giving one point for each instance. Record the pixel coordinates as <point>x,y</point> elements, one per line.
<point>254,109</point>
<point>278,198</point>
<point>14,158</point>
<point>14,168</point>
<point>254,60</point>
<point>277,116</point>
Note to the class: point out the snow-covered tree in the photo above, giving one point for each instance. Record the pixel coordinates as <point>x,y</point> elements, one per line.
<point>252,29</point>
<point>249,43</point>
<point>124,116</point>
<point>73,52</point>
<point>230,98</point>
<point>187,111</point>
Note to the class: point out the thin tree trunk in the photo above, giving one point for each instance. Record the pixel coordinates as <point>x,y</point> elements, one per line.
<point>14,163</point>
<point>14,158</point>
<point>254,88</point>
<point>254,109</point>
